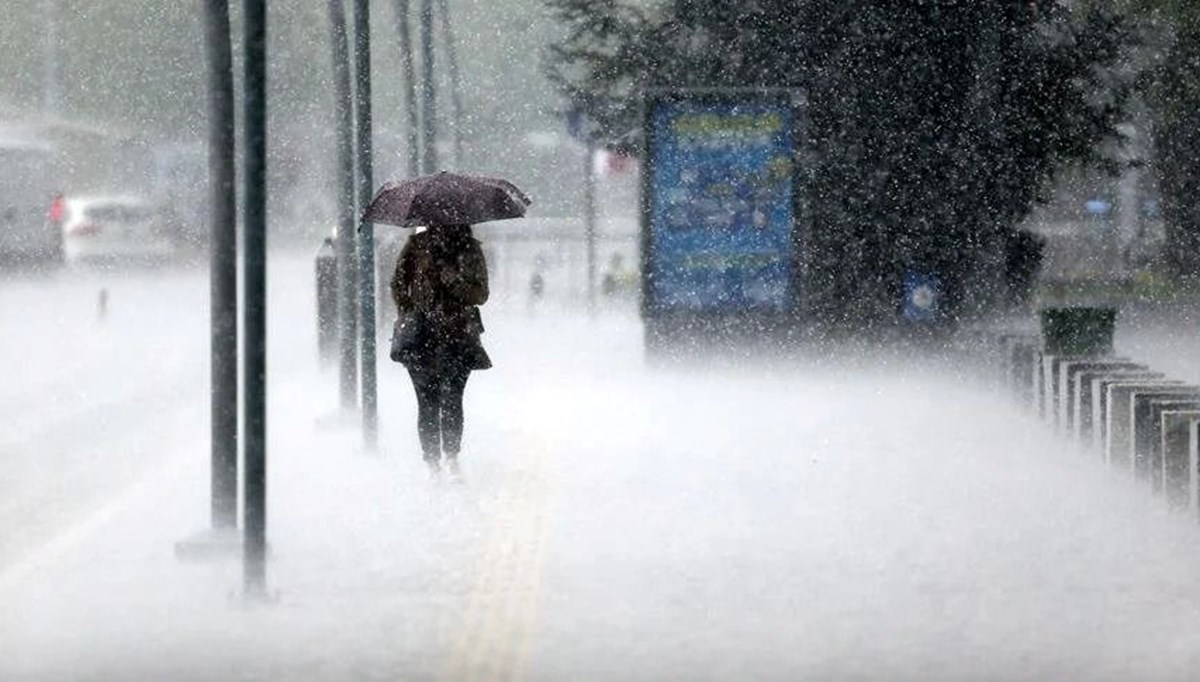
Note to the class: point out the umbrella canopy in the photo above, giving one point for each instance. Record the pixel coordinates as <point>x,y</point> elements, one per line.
<point>446,199</point>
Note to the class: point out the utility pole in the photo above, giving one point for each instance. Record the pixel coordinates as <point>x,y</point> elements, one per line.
<point>413,142</point>
<point>455,79</point>
<point>255,319</point>
<point>589,215</point>
<point>366,231</point>
<point>429,161</point>
<point>222,265</point>
<point>51,74</point>
<point>343,108</point>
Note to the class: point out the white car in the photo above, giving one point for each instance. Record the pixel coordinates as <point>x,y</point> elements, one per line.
<point>115,229</point>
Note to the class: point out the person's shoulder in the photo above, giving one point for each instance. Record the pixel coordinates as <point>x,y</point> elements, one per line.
<point>417,241</point>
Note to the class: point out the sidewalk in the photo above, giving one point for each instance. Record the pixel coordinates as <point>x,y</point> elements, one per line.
<point>866,522</point>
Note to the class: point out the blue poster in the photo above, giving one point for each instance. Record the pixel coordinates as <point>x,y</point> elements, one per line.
<point>922,297</point>
<point>720,206</point>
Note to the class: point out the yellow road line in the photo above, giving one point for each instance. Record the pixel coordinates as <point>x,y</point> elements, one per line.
<point>496,633</point>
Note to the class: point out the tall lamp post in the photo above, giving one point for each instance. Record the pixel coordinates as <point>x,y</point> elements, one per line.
<point>51,74</point>
<point>429,161</point>
<point>222,538</point>
<point>343,106</point>
<point>255,318</point>
<point>223,266</point>
<point>413,142</point>
<point>366,231</point>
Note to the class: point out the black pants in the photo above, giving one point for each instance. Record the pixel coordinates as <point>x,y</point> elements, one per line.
<point>440,409</point>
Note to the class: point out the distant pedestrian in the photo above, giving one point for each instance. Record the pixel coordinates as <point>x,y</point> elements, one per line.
<point>441,277</point>
<point>617,279</point>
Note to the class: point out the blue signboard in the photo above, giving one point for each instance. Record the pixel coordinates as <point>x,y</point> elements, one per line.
<point>720,205</point>
<point>922,297</point>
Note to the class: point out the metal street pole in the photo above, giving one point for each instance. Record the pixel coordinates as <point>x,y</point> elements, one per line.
<point>455,79</point>
<point>255,320</point>
<point>589,217</point>
<point>413,142</point>
<point>222,265</point>
<point>366,231</point>
<point>51,74</point>
<point>429,161</point>
<point>343,106</point>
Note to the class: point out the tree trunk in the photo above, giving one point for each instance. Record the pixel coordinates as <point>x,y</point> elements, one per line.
<point>1178,146</point>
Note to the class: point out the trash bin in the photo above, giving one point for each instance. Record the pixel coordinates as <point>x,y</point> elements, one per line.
<point>326,277</point>
<point>1078,331</point>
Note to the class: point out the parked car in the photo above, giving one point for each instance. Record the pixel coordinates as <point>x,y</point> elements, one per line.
<point>115,229</point>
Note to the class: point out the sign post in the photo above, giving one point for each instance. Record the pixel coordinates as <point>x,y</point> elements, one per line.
<point>255,314</point>
<point>366,231</point>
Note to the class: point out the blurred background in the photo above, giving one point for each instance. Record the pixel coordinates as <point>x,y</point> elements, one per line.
<point>107,100</point>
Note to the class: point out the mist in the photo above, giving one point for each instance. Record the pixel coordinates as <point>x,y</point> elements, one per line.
<point>825,465</point>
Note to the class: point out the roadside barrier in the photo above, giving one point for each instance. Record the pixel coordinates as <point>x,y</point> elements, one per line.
<point>1134,419</point>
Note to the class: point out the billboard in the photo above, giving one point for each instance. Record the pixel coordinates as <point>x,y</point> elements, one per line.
<point>719,204</point>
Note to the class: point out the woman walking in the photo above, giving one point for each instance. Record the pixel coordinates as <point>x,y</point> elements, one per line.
<point>441,277</point>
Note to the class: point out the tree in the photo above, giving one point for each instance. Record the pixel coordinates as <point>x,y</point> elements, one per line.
<point>936,126</point>
<point>1174,98</point>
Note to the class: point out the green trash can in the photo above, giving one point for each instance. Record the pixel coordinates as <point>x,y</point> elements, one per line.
<point>1078,331</point>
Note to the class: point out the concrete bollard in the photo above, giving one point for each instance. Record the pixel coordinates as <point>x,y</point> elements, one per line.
<point>1068,385</point>
<point>1038,382</point>
<point>1008,344</point>
<point>1024,357</point>
<point>1180,466</point>
<point>325,272</point>
<point>1118,420</point>
<point>1146,414</point>
<point>1050,364</point>
<point>1194,463</point>
<point>1086,397</point>
<point>1100,388</point>
<point>1057,372</point>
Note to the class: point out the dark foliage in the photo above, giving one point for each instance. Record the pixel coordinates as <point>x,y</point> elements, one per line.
<point>1176,98</point>
<point>937,125</point>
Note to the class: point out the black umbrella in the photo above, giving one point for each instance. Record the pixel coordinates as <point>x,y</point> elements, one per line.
<point>446,199</point>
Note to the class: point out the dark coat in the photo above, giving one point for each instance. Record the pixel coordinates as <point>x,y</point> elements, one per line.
<point>442,274</point>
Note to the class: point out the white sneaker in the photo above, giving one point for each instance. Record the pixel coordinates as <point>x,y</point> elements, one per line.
<point>435,471</point>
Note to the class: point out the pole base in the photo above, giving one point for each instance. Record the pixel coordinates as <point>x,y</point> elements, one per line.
<point>216,544</point>
<point>253,598</point>
<point>342,419</point>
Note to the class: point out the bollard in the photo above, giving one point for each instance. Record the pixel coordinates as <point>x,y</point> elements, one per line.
<point>1146,409</point>
<point>1053,385</point>
<point>102,305</point>
<point>1087,396</point>
<point>325,271</point>
<point>1100,388</point>
<point>1011,345</point>
<point>1023,361</point>
<point>1194,465</point>
<point>1179,463</point>
<point>1037,380</point>
<point>1067,385</point>
<point>1118,436</point>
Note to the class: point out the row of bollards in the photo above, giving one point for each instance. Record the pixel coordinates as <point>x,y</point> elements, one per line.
<point>1132,418</point>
